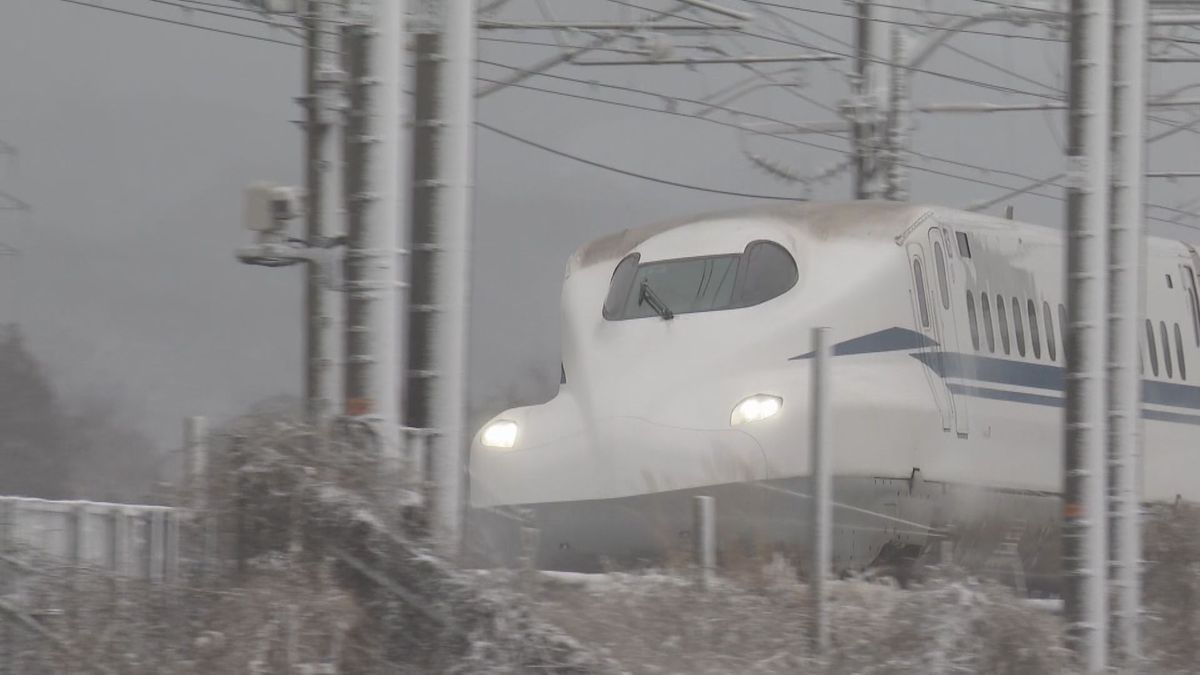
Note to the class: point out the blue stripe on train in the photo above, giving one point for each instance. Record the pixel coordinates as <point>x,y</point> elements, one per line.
<point>999,371</point>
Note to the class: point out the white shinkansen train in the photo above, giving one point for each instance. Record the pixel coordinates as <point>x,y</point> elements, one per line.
<point>686,356</point>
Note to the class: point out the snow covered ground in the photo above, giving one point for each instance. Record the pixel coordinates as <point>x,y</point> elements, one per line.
<point>659,623</point>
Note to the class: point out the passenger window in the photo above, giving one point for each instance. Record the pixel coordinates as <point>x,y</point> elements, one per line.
<point>618,288</point>
<point>941,274</point>
<point>1018,326</point>
<point>769,272</point>
<point>964,246</point>
<point>987,322</point>
<point>972,320</point>
<point>1062,329</point>
<point>922,308</point>
<point>1179,353</point>
<point>1034,339</point>
<point>1051,345</point>
<point>1152,347</point>
<point>1002,314</point>
<point>1166,345</point>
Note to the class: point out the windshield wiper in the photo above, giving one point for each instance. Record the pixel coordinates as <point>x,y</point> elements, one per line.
<point>648,296</point>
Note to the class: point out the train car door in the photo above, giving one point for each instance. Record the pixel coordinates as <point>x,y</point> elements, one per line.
<point>923,299</point>
<point>945,266</point>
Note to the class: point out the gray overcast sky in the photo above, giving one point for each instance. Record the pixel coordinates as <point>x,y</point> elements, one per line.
<point>136,138</point>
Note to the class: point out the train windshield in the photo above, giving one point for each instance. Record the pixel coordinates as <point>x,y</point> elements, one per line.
<point>703,284</point>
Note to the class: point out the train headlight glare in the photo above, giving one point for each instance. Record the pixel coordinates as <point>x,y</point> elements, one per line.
<point>499,434</point>
<point>755,408</point>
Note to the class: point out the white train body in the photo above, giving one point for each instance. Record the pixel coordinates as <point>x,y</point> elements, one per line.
<point>947,409</point>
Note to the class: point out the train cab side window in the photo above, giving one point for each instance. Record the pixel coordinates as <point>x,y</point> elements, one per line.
<point>1002,315</point>
<point>618,288</point>
<point>987,322</point>
<point>1051,345</point>
<point>1018,326</point>
<point>1166,346</point>
<point>973,320</point>
<point>941,274</point>
<point>1152,347</point>
<point>769,272</point>
<point>964,245</point>
<point>1179,353</point>
<point>922,308</point>
<point>1035,340</point>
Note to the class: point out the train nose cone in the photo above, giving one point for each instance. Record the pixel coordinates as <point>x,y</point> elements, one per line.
<point>616,486</point>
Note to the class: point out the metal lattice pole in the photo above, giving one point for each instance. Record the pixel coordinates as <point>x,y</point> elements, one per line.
<point>1084,516</point>
<point>1125,278</point>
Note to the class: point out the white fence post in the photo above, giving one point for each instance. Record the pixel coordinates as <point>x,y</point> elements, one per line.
<point>704,536</point>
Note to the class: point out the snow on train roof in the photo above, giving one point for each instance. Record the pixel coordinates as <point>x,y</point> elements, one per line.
<point>819,219</point>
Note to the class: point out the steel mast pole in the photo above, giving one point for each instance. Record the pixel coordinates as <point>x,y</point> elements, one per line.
<point>1125,278</point>
<point>820,448</point>
<point>1084,487</point>
<point>373,217</point>
<point>453,227</point>
<point>419,373</point>
<point>862,133</point>
<point>322,78</point>
<point>898,113</point>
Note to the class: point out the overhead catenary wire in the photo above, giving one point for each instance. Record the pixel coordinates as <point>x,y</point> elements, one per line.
<point>915,69</point>
<point>631,174</point>
<point>907,24</point>
<point>1054,182</point>
<point>186,24</point>
<point>669,97</point>
<point>198,7</point>
<point>284,42</point>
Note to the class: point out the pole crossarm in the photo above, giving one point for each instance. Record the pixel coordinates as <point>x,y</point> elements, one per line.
<point>795,58</point>
<point>1173,174</point>
<point>1034,107</point>
<point>608,25</point>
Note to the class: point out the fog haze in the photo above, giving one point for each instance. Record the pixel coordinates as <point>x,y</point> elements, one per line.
<point>136,138</point>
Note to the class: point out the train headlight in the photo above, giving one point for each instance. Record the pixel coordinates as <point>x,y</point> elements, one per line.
<point>755,408</point>
<point>499,434</point>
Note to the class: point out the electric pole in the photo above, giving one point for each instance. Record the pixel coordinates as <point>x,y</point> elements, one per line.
<point>1125,278</point>
<point>862,131</point>
<point>871,93</point>
<point>1084,552</point>
<point>321,90</point>
<point>896,185</point>
<point>456,152</point>
<point>373,207</point>
<point>435,401</point>
<point>419,373</point>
